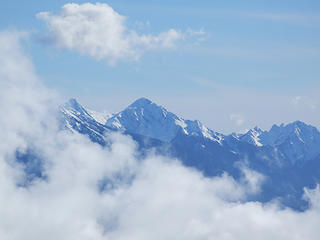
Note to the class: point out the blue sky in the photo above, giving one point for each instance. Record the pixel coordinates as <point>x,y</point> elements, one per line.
<point>257,62</point>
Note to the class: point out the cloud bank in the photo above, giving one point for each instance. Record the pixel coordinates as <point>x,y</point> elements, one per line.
<point>98,31</point>
<point>91,192</point>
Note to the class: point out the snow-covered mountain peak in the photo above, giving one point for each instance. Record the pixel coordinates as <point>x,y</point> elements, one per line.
<point>292,142</point>
<point>257,130</point>
<point>252,136</point>
<point>74,106</point>
<point>141,102</point>
<point>299,127</point>
<point>72,102</point>
<point>288,154</point>
<point>144,105</point>
<point>146,118</point>
<point>295,131</point>
<point>149,119</point>
<point>297,141</point>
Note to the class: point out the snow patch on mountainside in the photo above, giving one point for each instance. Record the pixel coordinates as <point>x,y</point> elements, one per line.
<point>252,137</point>
<point>77,111</point>
<point>100,117</point>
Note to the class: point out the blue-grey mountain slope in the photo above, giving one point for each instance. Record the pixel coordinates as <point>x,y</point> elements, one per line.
<point>287,155</point>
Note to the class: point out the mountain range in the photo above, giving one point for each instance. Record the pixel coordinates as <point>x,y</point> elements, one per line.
<point>287,155</point>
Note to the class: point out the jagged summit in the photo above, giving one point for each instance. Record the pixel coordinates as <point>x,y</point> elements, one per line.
<point>296,140</point>
<point>252,136</point>
<point>75,108</point>
<point>292,132</point>
<point>147,118</point>
<point>141,102</point>
<point>79,119</point>
<point>291,125</point>
<point>287,154</point>
<point>300,126</point>
<point>257,129</point>
<point>73,103</point>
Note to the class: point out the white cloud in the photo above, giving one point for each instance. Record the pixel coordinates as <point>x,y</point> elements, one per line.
<point>252,180</point>
<point>155,198</point>
<point>192,32</point>
<point>98,31</point>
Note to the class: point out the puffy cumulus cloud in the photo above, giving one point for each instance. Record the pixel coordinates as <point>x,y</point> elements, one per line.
<point>91,192</point>
<point>98,31</point>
